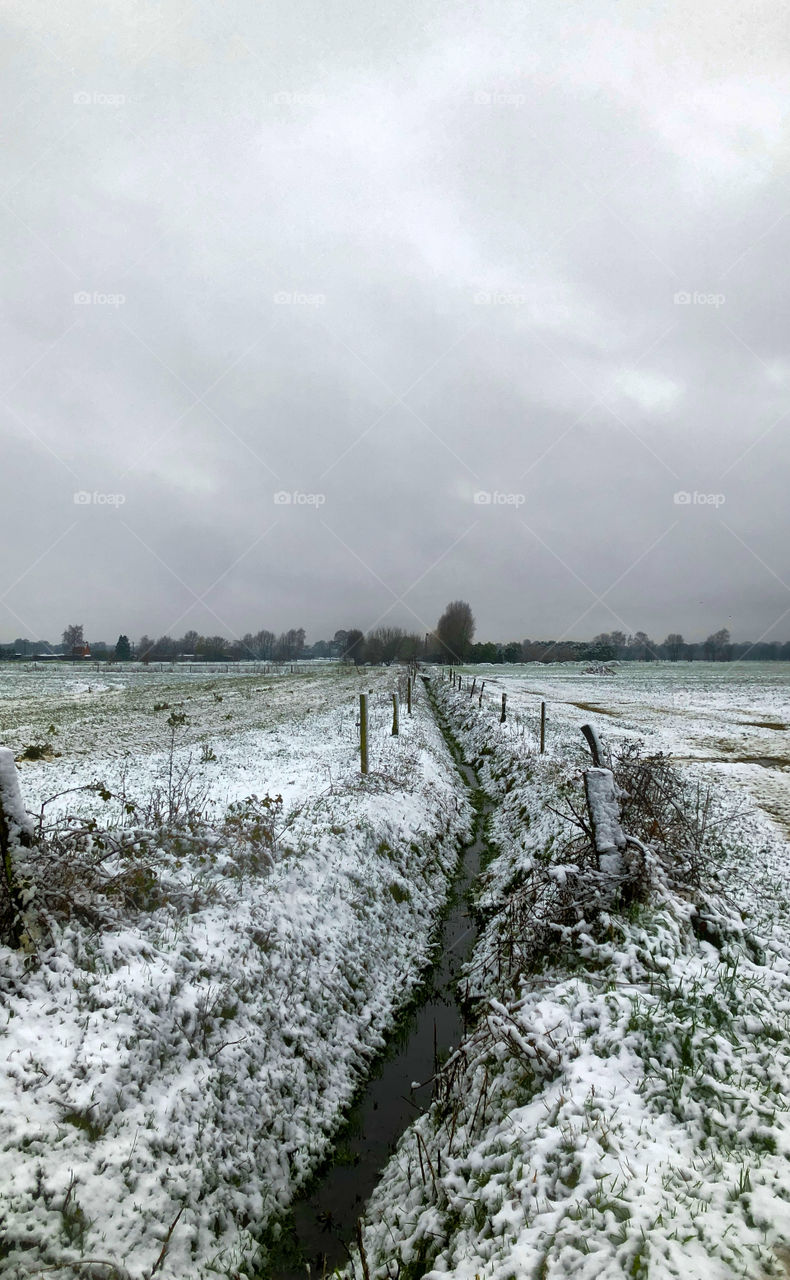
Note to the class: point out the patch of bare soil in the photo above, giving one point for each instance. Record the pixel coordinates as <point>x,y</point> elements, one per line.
<point>593,706</point>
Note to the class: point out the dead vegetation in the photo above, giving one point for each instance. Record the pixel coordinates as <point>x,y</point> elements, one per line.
<point>675,832</point>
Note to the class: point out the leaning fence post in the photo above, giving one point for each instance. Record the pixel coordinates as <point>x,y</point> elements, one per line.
<point>474,686</point>
<point>503,714</point>
<point>594,745</point>
<point>363,732</point>
<point>542,727</point>
<point>395,715</point>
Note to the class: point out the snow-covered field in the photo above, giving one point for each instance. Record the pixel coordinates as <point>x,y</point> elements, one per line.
<point>168,1080</point>
<point>267,732</point>
<point>620,1109</point>
<point>171,1075</point>
<point>733,718</point>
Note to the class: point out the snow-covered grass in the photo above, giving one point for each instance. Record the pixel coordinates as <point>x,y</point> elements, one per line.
<point>620,1107</point>
<point>173,1064</point>
<point>728,720</point>
<point>114,727</point>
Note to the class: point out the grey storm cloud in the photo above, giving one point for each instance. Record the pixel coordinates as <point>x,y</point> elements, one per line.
<point>482,290</point>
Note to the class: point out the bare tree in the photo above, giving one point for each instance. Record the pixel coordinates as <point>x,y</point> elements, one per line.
<point>384,644</point>
<point>642,647</point>
<point>717,647</point>
<point>73,636</point>
<point>289,644</point>
<point>674,645</point>
<point>355,647</point>
<point>264,643</point>
<point>455,630</point>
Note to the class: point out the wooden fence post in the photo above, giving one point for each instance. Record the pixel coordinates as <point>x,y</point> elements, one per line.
<point>503,715</point>
<point>408,694</point>
<point>594,745</point>
<point>603,805</point>
<point>542,727</point>
<point>474,686</point>
<point>18,924</point>
<point>395,715</point>
<point>363,732</point>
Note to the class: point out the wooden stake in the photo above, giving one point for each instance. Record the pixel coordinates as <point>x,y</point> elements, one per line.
<point>15,835</point>
<point>363,732</point>
<point>395,715</point>
<point>594,745</point>
<point>542,727</point>
<point>408,694</point>
<point>503,716</point>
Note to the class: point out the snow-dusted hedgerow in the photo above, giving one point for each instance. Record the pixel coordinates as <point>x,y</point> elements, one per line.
<point>173,1064</point>
<point>619,1109</point>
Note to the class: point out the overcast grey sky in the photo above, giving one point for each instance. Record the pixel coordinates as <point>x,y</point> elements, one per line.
<point>383,258</point>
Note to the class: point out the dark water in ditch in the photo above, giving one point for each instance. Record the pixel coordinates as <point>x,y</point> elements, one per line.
<point>322,1223</point>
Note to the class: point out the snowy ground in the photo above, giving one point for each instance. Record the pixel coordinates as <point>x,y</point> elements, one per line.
<point>620,1109</point>
<point>733,718</point>
<point>268,733</point>
<point>167,1082</point>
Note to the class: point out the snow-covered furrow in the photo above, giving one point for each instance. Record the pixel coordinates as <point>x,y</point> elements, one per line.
<point>619,1109</point>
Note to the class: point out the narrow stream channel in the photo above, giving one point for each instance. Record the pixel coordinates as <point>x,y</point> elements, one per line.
<point>322,1222</point>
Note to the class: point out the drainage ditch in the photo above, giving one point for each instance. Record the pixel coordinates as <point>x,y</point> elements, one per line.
<point>315,1237</point>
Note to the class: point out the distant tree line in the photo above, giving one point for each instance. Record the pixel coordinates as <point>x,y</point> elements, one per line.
<point>616,646</point>
<point>264,646</point>
<point>452,641</point>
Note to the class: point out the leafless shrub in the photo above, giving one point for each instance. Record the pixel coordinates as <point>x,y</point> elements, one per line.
<point>675,828</point>
<point>676,816</point>
<point>251,826</point>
